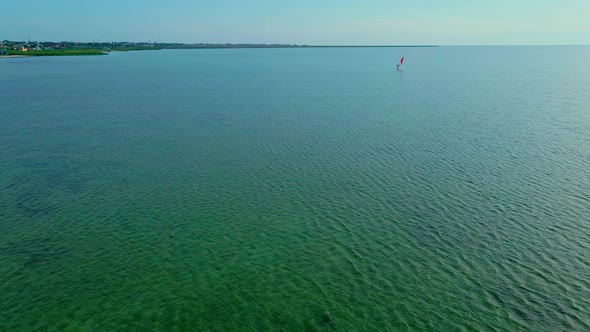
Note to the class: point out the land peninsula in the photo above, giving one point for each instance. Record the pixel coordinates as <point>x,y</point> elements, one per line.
<point>28,48</point>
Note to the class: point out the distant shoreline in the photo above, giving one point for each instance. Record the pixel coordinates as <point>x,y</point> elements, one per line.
<point>223,46</point>
<point>81,49</point>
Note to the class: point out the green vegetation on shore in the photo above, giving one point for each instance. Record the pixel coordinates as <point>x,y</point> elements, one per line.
<point>16,48</point>
<point>63,52</point>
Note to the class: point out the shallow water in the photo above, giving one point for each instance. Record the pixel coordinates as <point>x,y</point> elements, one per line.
<point>297,190</point>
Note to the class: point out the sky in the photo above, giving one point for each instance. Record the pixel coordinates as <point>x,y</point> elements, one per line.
<point>311,22</point>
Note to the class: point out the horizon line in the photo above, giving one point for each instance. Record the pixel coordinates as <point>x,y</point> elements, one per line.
<point>282,44</point>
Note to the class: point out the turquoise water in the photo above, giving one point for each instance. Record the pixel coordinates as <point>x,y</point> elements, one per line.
<point>297,190</point>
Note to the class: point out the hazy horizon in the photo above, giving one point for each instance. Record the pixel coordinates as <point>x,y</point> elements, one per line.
<point>457,22</point>
<point>278,43</point>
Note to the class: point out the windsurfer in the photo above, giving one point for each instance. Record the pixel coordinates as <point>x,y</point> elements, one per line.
<point>401,62</point>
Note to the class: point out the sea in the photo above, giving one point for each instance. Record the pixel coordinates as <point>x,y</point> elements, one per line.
<point>297,189</point>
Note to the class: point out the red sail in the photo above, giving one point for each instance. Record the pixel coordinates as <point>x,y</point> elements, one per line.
<point>401,62</point>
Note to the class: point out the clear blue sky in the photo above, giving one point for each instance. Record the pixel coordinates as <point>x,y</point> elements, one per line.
<point>443,22</point>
